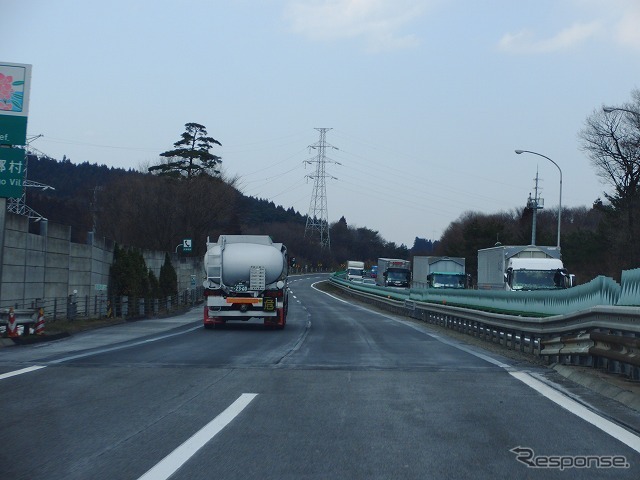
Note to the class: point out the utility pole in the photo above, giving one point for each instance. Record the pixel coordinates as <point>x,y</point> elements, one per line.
<point>318,218</point>
<point>535,203</point>
<point>19,205</point>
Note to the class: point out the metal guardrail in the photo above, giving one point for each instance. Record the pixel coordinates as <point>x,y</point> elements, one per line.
<point>602,336</point>
<point>600,291</point>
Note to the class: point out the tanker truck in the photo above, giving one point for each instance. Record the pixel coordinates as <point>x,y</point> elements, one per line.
<point>245,278</point>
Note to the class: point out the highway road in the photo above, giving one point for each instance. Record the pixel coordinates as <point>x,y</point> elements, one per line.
<point>342,392</point>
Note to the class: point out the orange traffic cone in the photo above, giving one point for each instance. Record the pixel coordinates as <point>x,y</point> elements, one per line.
<point>40,323</point>
<point>12,327</point>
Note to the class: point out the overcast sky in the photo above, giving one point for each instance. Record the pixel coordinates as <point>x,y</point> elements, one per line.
<point>426,99</point>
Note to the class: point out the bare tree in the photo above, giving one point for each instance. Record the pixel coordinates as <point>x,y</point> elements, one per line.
<point>611,139</point>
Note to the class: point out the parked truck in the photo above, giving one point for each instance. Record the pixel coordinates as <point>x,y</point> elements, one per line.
<point>355,270</point>
<point>245,277</point>
<point>393,272</point>
<point>529,267</point>
<point>439,272</point>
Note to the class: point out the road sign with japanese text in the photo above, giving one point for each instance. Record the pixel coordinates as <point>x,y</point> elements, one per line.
<point>11,172</point>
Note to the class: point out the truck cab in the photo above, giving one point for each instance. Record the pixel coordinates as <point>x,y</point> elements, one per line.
<point>397,277</point>
<point>537,274</point>
<point>447,280</point>
<point>355,271</point>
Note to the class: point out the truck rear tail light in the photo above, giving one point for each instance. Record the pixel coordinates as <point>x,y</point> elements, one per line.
<point>274,293</point>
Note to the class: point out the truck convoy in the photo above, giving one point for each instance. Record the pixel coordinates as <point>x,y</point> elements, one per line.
<point>245,277</point>
<point>393,272</point>
<point>528,267</point>
<point>439,272</point>
<point>355,270</point>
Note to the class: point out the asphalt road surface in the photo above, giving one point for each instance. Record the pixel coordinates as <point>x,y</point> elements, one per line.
<point>342,392</point>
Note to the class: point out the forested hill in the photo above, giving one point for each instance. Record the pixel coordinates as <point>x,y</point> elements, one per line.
<point>69,179</point>
<point>77,189</point>
<point>154,212</point>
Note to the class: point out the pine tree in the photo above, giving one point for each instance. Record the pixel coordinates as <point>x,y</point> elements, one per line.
<point>168,278</point>
<point>191,156</point>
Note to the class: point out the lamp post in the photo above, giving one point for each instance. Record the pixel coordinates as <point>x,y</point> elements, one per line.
<point>560,201</point>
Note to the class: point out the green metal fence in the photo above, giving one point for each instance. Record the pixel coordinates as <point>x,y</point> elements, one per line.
<point>601,291</point>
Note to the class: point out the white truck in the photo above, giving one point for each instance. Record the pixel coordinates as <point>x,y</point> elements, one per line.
<point>245,277</point>
<point>439,272</point>
<point>393,272</point>
<point>355,270</point>
<point>522,267</point>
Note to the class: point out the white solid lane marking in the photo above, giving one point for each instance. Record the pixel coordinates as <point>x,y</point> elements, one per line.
<point>313,285</point>
<point>172,462</point>
<point>121,347</point>
<point>20,372</point>
<point>617,432</point>
<point>576,408</point>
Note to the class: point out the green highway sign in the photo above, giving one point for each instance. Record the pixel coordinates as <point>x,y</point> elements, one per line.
<point>11,172</point>
<point>187,245</point>
<point>13,130</point>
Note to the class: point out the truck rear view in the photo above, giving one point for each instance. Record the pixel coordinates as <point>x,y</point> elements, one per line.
<point>245,277</point>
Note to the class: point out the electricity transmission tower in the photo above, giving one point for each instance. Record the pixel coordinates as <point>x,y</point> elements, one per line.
<point>318,219</point>
<point>19,205</point>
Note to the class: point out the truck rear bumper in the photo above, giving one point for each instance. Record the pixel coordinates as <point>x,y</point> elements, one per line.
<point>239,315</point>
<point>270,307</point>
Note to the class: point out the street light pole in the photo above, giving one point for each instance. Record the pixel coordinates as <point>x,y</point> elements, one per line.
<point>560,201</point>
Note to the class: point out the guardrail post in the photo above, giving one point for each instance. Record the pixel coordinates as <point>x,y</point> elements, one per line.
<point>124,302</point>
<point>72,307</point>
<point>614,365</point>
<point>628,368</point>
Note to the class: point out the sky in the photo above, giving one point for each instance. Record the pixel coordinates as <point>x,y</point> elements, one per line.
<point>424,101</point>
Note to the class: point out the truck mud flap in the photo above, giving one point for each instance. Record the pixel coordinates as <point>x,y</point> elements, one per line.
<point>277,322</point>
